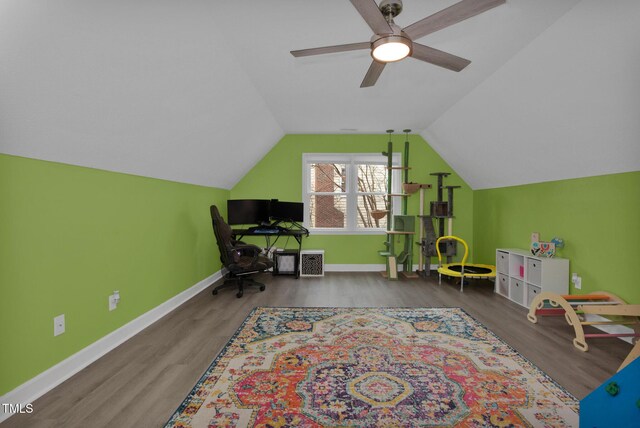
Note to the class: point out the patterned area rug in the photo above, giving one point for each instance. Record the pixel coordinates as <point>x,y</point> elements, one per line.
<point>371,367</point>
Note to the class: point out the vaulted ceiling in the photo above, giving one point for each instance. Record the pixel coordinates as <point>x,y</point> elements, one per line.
<point>198,91</point>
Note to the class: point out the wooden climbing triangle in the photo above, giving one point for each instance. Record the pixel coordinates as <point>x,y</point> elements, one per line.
<point>575,309</point>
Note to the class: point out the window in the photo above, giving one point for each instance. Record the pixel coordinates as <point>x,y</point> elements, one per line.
<point>347,193</point>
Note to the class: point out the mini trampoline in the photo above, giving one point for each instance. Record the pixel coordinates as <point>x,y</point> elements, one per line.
<point>462,269</point>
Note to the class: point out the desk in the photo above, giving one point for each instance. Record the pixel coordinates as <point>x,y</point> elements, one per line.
<point>268,234</point>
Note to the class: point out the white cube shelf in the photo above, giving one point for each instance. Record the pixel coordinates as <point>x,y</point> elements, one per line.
<point>521,276</point>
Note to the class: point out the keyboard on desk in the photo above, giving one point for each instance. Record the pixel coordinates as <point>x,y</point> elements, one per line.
<point>264,230</point>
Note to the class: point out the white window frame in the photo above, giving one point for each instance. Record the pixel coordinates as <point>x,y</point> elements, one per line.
<point>350,160</point>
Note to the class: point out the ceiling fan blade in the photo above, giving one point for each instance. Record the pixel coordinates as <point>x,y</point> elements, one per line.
<point>449,16</point>
<point>331,49</point>
<point>439,58</point>
<point>368,9</point>
<point>373,73</point>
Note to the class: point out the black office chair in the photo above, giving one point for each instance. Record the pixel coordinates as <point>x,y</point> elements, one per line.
<point>240,259</point>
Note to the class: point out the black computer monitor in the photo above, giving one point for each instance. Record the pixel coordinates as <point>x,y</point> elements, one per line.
<point>248,211</point>
<point>287,211</point>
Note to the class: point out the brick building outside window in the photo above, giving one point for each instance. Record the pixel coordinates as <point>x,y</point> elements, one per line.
<point>340,191</point>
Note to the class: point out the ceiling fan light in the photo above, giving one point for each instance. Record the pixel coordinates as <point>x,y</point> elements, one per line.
<point>391,48</point>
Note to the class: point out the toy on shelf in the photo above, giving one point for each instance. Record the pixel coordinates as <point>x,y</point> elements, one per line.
<point>544,249</point>
<point>576,307</point>
<point>463,269</point>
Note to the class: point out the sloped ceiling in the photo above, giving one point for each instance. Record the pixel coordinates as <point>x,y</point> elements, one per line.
<point>198,91</point>
<point>134,86</point>
<point>565,106</point>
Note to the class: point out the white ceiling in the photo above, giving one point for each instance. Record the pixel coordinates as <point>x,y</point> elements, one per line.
<point>322,93</point>
<point>198,91</point>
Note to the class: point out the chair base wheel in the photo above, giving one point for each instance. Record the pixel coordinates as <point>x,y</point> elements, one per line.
<point>241,283</point>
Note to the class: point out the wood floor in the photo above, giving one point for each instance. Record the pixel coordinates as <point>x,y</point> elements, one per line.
<point>143,381</point>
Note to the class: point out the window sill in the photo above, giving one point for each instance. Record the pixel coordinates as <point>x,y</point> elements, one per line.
<point>324,231</point>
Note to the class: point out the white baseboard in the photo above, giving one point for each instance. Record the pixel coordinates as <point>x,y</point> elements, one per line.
<point>49,379</point>
<point>374,267</point>
<point>354,268</point>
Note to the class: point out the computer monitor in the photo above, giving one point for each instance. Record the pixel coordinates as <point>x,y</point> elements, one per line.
<point>248,211</point>
<point>287,211</point>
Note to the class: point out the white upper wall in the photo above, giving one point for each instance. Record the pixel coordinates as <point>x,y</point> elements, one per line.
<point>140,87</point>
<point>566,106</point>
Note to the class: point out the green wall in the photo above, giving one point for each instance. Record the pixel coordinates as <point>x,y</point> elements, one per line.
<point>598,218</point>
<point>70,236</point>
<point>279,176</point>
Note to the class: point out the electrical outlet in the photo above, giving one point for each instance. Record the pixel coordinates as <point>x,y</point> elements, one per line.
<point>58,325</point>
<point>114,299</point>
<point>577,281</point>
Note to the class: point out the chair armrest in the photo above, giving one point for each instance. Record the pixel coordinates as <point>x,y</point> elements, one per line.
<point>250,248</point>
<point>245,249</point>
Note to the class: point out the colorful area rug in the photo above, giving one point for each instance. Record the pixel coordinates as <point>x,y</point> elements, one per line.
<point>371,367</point>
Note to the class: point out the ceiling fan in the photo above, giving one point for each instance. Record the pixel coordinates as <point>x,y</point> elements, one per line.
<point>391,43</point>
